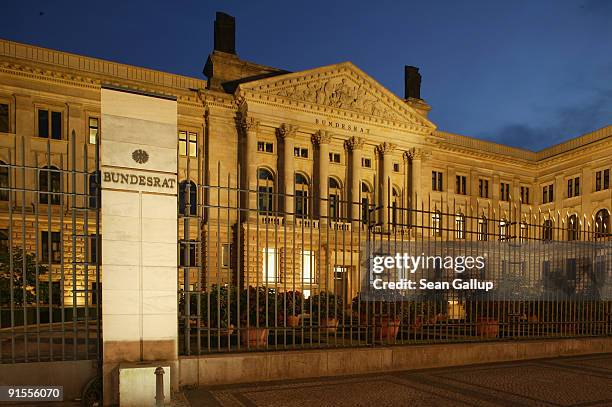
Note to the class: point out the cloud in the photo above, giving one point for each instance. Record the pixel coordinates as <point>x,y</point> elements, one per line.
<point>568,122</point>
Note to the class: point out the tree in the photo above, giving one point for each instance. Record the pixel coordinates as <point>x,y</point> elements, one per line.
<point>19,285</point>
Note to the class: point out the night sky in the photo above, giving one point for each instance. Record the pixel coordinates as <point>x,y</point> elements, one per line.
<point>523,73</point>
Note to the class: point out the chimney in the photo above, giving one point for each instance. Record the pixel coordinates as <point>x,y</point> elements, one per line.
<point>412,82</point>
<point>225,33</point>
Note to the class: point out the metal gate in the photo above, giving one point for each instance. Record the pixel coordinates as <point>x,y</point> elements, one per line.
<point>50,291</point>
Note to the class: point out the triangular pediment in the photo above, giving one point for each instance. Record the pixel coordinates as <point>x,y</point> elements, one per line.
<point>344,87</point>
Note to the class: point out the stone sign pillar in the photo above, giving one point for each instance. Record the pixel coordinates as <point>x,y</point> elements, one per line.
<point>138,163</point>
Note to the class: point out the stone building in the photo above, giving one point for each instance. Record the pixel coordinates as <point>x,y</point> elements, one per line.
<point>281,172</point>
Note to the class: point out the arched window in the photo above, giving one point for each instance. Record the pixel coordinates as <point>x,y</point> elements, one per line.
<point>395,207</point>
<point>524,232</point>
<point>602,223</point>
<point>49,185</point>
<point>483,229</point>
<point>4,181</point>
<point>301,195</point>
<point>335,193</point>
<point>265,191</point>
<point>460,226</point>
<point>188,193</point>
<point>94,184</point>
<point>572,228</point>
<point>547,230</point>
<point>366,198</point>
<point>504,229</point>
<point>436,223</point>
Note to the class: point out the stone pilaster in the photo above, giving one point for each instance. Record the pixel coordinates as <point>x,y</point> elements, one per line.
<point>321,140</point>
<point>385,150</point>
<point>286,134</point>
<point>248,127</point>
<point>354,146</point>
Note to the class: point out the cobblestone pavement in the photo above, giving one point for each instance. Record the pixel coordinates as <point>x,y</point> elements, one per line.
<point>568,381</point>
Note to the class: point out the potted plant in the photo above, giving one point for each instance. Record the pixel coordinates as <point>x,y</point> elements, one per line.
<point>291,303</point>
<point>387,319</point>
<point>485,317</point>
<point>257,305</point>
<point>326,307</point>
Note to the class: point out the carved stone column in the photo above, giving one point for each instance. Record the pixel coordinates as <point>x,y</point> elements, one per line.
<point>286,133</point>
<point>354,145</point>
<point>385,150</point>
<point>322,140</point>
<point>248,126</point>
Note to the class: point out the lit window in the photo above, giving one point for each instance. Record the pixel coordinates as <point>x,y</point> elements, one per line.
<point>308,267</point>
<point>460,227</point>
<point>93,130</point>
<point>270,265</point>
<point>188,141</point>
<point>436,224</point>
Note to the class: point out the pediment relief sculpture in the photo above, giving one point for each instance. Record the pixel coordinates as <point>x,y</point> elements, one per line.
<point>341,93</point>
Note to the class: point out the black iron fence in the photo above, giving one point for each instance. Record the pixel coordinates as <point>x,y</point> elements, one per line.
<point>50,289</point>
<point>255,274</point>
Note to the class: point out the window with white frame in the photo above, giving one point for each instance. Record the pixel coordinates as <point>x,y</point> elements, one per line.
<point>308,267</point>
<point>270,265</point>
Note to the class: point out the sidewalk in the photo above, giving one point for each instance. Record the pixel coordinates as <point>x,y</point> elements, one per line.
<point>568,381</point>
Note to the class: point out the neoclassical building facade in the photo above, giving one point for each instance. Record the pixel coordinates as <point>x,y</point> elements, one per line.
<point>273,163</point>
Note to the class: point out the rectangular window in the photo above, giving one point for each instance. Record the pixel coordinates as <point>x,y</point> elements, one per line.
<point>50,245</point>
<point>577,186</point>
<point>606,179</point>
<point>225,255</point>
<point>95,246</point>
<point>461,183</point>
<point>188,254</point>
<point>4,118</point>
<point>366,162</point>
<point>525,195</point>
<point>334,158</point>
<point>483,233</point>
<point>396,167</point>
<point>188,142</point>
<point>598,181</point>
<point>50,124</point>
<point>4,241</point>
<point>551,194</point>
<point>94,124</point>
<point>504,191</point>
<point>265,147</point>
<point>545,194</point>
<point>308,267</point>
<point>524,232</point>
<point>436,181</point>
<point>570,188</point>
<point>483,188</point>
<point>300,152</point>
<point>270,265</point>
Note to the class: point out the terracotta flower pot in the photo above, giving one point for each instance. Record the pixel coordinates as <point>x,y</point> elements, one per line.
<point>293,321</point>
<point>487,327</point>
<point>329,325</point>
<point>254,337</point>
<point>386,329</point>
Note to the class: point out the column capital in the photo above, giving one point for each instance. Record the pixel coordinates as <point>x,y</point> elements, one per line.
<point>385,148</point>
<point>246,123</point>
<point>354,143</point>
<point>321,137</point>
<point>286,131</point>
<point>417,154</point>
